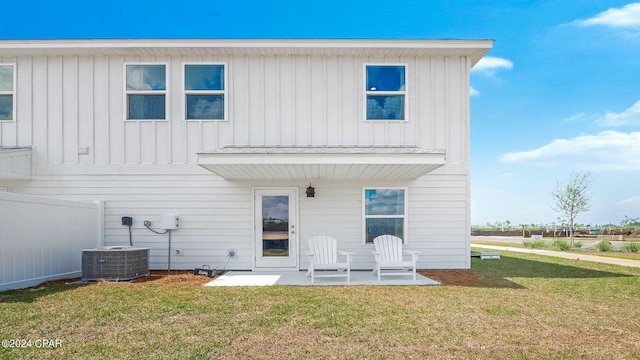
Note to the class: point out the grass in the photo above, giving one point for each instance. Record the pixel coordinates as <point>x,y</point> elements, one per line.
<point>631,247</point>
<point>519,307</point>
<point>534,244</point>
<point>560,244</point>
<point>615,255</point>
<point>604,246</point>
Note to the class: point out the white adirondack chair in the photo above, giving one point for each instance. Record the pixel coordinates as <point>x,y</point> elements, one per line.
<point>390,256</point>
<point>323,255</point>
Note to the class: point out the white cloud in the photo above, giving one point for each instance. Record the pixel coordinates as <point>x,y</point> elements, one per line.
<point>473,91</point>
<point>607,150</point>
<point>573,118</point>
<point>626,16</point>
<point>634,200</point>
<point>631,116</point>
<point>489,65</point>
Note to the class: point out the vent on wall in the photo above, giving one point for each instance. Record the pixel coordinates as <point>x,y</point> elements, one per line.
<point>115,263</point>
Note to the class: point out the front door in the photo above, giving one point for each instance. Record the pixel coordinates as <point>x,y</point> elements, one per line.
<point>276,228</point>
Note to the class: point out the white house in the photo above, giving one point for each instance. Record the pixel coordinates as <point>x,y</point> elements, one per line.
<point>231,137</point>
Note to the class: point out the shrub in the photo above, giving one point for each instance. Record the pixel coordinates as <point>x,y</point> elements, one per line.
<point>561,244</point>
<point>535,244</point>
<point>604,246</point>
<point>577,244</point>
<point>631,247</point>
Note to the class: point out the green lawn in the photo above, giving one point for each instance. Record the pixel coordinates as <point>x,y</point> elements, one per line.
<point>522,306</point>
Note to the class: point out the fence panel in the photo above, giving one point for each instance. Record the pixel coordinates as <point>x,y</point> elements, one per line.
<point>41,238</point>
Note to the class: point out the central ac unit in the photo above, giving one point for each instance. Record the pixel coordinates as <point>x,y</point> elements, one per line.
<point>115,263</point>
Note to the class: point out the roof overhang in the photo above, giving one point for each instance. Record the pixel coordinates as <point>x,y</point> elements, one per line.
<point>15,163</point>
<point>326,162</point>
<point>474,49</point>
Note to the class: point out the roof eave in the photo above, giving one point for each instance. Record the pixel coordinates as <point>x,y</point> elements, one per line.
<point>475,49</point>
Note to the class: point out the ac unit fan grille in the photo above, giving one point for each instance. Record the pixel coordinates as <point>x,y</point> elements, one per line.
<point>115,263</point>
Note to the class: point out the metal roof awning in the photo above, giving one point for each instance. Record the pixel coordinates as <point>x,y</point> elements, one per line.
<point>321,162</point>
<point>15,163</point>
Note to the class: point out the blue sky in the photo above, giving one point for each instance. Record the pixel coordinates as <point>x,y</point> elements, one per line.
<point>559,92</point>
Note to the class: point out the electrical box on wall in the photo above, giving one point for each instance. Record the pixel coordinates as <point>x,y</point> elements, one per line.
<point>169,222</point>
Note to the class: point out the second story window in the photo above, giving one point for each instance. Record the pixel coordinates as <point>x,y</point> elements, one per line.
<point>385,92</point>
<point>204,92</point>
<point>7,86</point>
<point>146,90</point>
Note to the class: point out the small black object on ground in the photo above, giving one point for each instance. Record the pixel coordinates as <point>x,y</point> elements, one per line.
<point>205,270</point>
<point>486,255</point>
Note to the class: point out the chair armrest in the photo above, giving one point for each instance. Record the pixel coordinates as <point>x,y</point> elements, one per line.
<point>377,255</point>
<point>414,254</point>
<point>348,254</point>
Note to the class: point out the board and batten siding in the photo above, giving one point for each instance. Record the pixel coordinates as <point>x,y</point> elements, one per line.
<point>144,169</point>
<point>70,102</point>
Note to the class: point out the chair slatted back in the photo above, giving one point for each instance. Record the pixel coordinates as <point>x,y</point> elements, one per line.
<point>325,249</point>
<point>389,247</point>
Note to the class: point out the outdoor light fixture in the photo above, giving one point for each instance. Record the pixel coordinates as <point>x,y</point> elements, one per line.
<point>311,191</point>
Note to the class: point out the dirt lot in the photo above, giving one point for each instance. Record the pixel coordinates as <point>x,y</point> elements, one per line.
<point>173,278</point>
<point>454,277</point>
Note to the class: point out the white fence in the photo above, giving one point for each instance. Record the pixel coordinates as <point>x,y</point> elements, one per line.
<point>41,238</point>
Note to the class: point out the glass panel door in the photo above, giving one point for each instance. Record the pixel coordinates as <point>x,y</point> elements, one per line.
<point>275,225</point>
<point>276,242</point>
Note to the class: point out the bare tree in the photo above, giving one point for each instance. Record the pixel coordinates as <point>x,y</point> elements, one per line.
<point>574,198</point>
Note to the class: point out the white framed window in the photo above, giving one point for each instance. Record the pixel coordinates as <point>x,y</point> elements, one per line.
<point>7,92</point>
<point>205,87</point>
<point>385,212</point>
<point>385,92</point>
<point>145,91</point>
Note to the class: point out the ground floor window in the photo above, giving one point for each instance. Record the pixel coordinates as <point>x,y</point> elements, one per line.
<point>385,212</point>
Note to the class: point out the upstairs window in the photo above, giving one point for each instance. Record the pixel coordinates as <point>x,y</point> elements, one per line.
<point>385,213</point>
<point>7,89</point>
<point>146,91</point>
<point>385,92</point>
<point>204,92</point>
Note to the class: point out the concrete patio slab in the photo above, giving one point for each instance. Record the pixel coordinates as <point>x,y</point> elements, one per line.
<point>299,278</point>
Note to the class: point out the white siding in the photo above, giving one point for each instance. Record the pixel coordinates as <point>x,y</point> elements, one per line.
<point>216,215</point>
<point>292,100</point>
<point>145,169</point>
